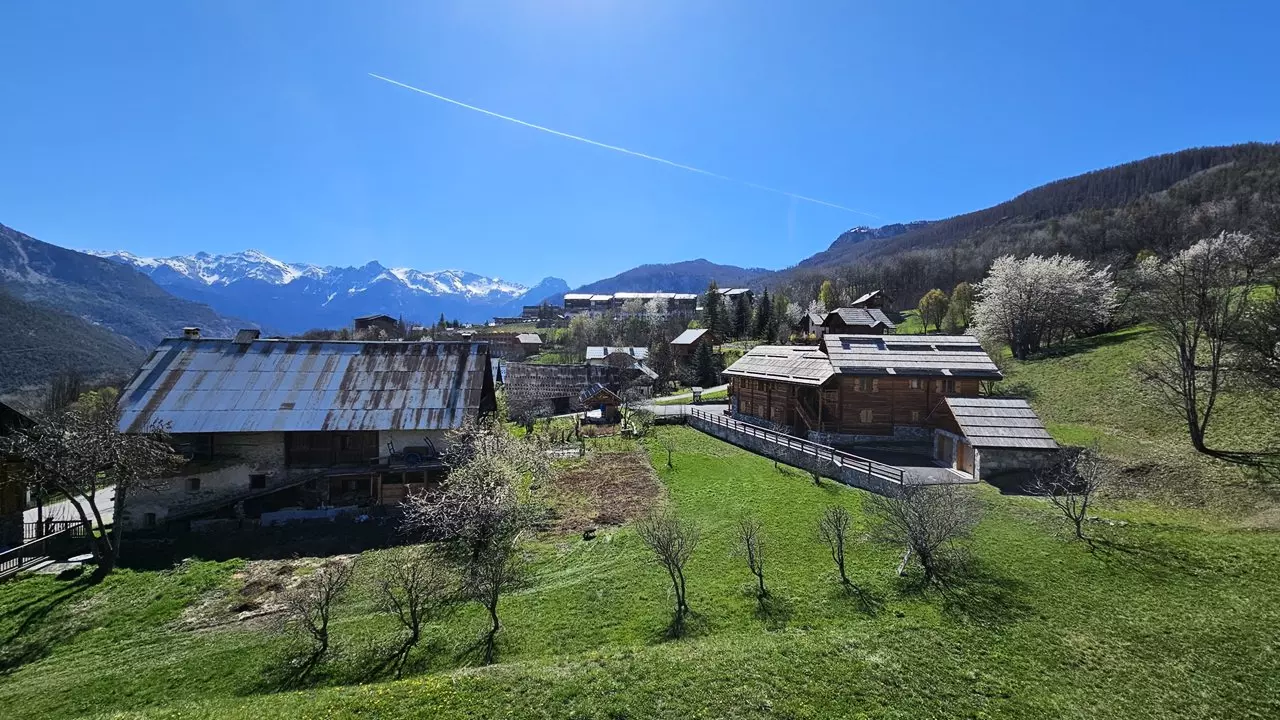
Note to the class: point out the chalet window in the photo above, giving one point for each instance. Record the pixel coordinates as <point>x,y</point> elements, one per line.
<point>915,416</point>
<point>948,386</point>
<point>866,385</point>
<point>257,482</point>
<point>149,520</point>
<point>193,484</point>
<point>867,416</point>
<point>914,383</point>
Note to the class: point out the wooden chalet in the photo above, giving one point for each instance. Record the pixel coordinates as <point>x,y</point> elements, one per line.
<point>874,299</point>
<point>854,321</point>
<point>857,388</point>
<point>385,323</point>
<point>13,494</point>
<point>686,343</point>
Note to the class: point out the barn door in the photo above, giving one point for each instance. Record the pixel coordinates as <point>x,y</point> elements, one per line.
<point>944,448</point>
<point>964,457</point>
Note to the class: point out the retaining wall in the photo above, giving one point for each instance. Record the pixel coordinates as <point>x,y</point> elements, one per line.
<point>824,466</point>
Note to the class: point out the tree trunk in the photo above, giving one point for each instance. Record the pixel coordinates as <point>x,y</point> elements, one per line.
<point>117,510</point>
<point>492,638</point>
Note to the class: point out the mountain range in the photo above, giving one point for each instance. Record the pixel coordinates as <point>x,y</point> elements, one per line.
<point>61,301</point>
<point>295,297</point>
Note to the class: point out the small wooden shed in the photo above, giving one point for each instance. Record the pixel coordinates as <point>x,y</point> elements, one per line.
<point>599,397</point>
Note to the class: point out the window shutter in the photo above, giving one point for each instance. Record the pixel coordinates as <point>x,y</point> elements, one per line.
<point>875,385</point>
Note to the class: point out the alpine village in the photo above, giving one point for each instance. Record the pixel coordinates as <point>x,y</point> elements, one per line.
<point>1022,462</point>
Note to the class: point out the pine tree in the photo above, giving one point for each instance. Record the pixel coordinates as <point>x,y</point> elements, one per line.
<point>705,367</point>
<point>764,311</point>
<point>714,317</point>
<point>741,316</point>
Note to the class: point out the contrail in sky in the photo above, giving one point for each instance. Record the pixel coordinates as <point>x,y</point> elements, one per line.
<point>622,150</point>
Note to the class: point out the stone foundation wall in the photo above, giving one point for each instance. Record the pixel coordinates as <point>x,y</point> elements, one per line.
<point>995,462</point>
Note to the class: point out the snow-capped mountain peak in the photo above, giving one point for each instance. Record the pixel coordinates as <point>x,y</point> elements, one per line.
<point>286,295</point>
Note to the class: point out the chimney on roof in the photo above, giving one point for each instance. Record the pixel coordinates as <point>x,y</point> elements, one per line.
<point>246,336</point>
<point>191,333</point>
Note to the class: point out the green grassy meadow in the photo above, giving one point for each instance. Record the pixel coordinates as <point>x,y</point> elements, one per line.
<point>1174,614</point>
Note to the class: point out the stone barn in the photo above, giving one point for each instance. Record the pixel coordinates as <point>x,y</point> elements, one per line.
<point>270,425</point>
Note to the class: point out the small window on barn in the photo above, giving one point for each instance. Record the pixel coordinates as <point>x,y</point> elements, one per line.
<point>344,442</point>
<point>257,482</point>
<point>149,520</point>
<point>867,415</point>
<point>193,484</point>
<point>866,384</point>
<point>915,416</point>
<point>915,383</point>
<point>948,386</point>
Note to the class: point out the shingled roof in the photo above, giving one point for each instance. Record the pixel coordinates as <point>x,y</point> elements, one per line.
<point>219,385</point>
<point>947,355</point>
<point>598,352</point>
<point>869,317</point>
<point>689,337</point>
<point>799,364</point>
<point>990,422</point>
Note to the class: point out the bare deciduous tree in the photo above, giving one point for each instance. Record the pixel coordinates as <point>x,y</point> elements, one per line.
<point>751,546</point>
<point>668,442</point>
<point>308,607</point>
<point>1072,485</point>
<point>641,421</point>
<point>1198,302</point>
<point>673,541</point>
<point>833,529</point>
<point>78,453</point>
<point>482,512</point>
<point>928,520</point>
<point>414,585</point>
<point>525,409</point>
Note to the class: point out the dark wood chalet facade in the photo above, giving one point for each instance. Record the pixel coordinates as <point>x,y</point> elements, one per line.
<point>858,385</point>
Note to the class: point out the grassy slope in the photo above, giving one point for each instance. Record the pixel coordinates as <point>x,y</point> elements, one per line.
<point>1087,393</point>
<point>1178,623</point>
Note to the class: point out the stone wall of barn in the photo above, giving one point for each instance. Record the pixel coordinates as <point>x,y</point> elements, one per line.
<point>238,458</point>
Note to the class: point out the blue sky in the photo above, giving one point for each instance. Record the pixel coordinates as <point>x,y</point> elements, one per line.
<point>170,127</point>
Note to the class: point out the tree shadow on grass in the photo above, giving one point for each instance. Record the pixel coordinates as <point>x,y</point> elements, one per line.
<point>1265,466</point>
<point>1149,556</point>
<point>982,597</point>
<point>293,668</point>
<point>31,640</point>
<point>868,601</point>
<point>973,592</point>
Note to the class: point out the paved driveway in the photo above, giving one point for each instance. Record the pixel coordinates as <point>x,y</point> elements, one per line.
<point>920,466</point>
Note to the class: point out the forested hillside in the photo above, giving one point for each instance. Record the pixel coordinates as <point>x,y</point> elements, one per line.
<point>63,310</point>
<point>690,276</point>
<point>40,342</point>
<point>1161,204</point>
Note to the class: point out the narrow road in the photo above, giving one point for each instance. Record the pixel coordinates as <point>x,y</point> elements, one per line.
<point>689,395</point>
<point>63,510</point>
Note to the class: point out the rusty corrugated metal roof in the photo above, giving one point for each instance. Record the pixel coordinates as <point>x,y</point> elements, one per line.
<point>218,385</point>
